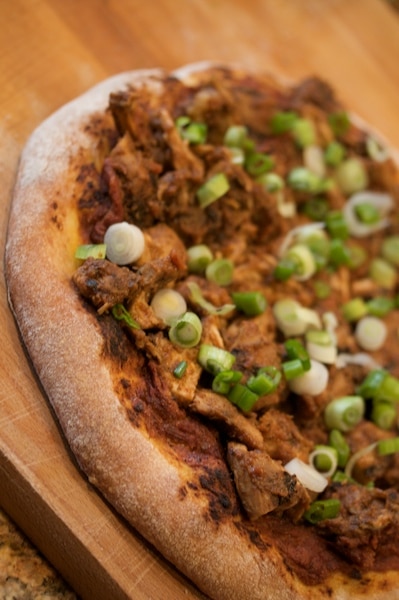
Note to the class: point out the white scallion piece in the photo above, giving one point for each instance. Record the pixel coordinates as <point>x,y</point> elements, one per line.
<point>360,358</point>
<point>313,159</point>
<point>330,322</point>
<point>371,333</point>
<point>125,243</point>
<point>293,319</point>
<point>300,232</point>
<point>382,202</point>
<point>168,305</point>
<point>312,382</point>
<point>326,354</point>
<point>307,475</point>
<point>331,454</point>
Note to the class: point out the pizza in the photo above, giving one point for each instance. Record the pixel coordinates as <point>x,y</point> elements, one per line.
<point>203,266</point>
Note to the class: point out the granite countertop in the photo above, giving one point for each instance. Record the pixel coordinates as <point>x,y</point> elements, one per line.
<point>24,573</point>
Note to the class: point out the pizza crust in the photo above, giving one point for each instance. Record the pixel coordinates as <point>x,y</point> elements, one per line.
<point>143,485</point>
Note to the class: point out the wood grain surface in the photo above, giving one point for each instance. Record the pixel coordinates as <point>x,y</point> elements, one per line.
<point>50,52</point>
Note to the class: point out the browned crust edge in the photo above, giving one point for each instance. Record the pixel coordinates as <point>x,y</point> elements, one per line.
<point>58,333</point>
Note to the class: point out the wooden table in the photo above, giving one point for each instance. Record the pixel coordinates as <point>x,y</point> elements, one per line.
<point>51,51</point>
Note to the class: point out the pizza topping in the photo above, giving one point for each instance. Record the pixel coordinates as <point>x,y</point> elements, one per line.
<point>124,243</point>
<point>186,330</point>
<point>168,305</point>
<point>198,258</point>
<point>213,189</point>
<point>90,250</point>
<point>367,212</point>
<point>266,291</point>
<point>310,478</point>
<point>121,314</point>
<point>264,485</point>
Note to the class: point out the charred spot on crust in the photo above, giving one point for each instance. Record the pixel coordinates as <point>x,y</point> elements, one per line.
<point>217,484</point>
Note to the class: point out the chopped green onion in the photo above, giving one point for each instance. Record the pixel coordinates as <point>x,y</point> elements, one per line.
<point>320,346</point>
<point>235,136</point>
<point>313,159</point>
<point>293,368</point>
<point>390,249</point>
<point>354,309</point>
<point>168,305</point>
<point>372,383</point>
<point>367,213</point>
<point>389,388</point>
<point>307,475</point>
<point>324,459</point>
<point>120,313</point>
<point>213,189</point>
<point>340,477</point>
<point>320,337</point>
<point>180,369</point>
<point>381,203</point>
<point>285,268</point>
<point>357,255</point>
<point>336,225</point>
<point>265,381</point>
<point>339,122</point>
<point>304,260</point>
<point>223,381</point>
<point>303,132</point>
<point>337,441</point>
<point>237,156</point>
<point>316,209</point>
<point>125,243</point>
<point>344,413</point>
<point>339,253</point>
<point>357,456</point>
<point>312,382</point>
<point>193,132</point>
<point>242,396</point>
<point>383,273</point>
<point>250,303</point>
<point>293,319</point>
<point>334,154</point>
<point>283,121</point>
<point>351,176</point>
<point>90,251</point>
<point>186,331</point>
<point>271,182</point>
<point>384,414</point>
<point>388,446</point>
<point>198,258</point>
<point>375,150</point>
<point>371,333</point>
<point>220,271</point>
<point>320,510</point>
<point>214,359</point>
<point>197,298</point>
<point>318,243</point>
<point>302,179</point>
<point>322,289</point>
<point>295,350</point>
<point>258,163</point>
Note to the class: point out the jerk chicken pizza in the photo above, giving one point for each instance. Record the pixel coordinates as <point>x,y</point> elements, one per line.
<point>203,266</point>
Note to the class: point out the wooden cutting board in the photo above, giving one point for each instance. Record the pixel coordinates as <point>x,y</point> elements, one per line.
<point>51,51</point>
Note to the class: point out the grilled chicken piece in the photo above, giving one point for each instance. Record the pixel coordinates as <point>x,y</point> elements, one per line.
<point>367,525</point>
<point>107,284</point>
<point>262,483</point>
<point>217,408</point>
<point>282,438</point>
